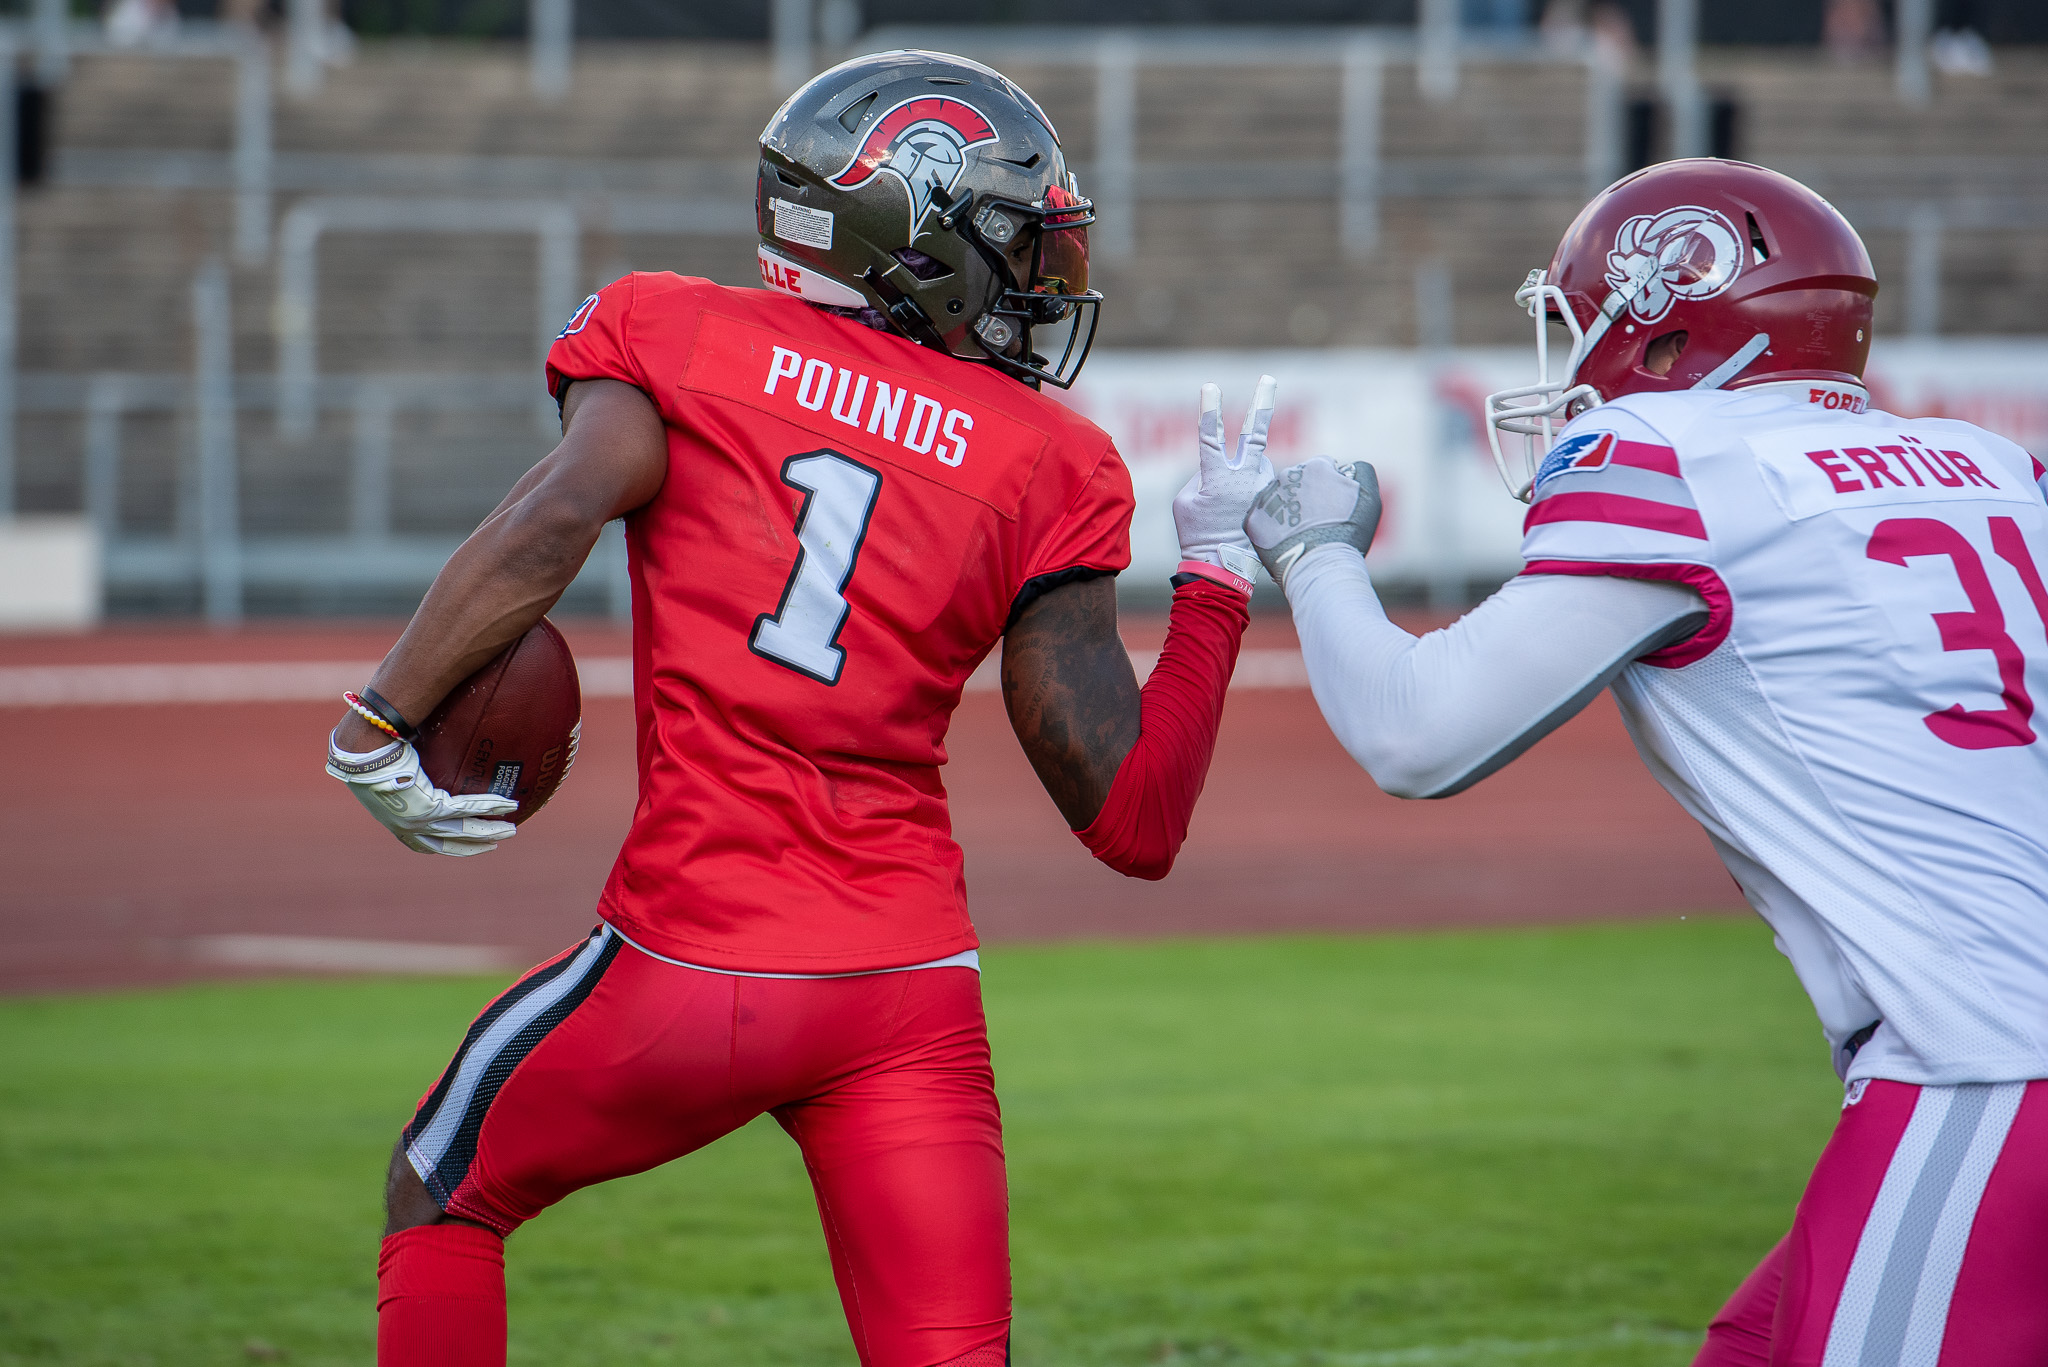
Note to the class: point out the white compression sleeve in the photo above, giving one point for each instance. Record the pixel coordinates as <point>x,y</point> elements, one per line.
<point>1430,716</point>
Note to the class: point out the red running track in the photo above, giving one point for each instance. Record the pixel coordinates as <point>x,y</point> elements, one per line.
<point>127,833</point>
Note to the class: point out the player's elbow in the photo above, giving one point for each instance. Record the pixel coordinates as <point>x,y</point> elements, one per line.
<point>1148,865</point>
<point>1414,784</point>
<point>1403,768</point>
<point>1132,845</point>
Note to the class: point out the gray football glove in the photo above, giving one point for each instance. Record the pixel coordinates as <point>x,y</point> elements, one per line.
<point>1315,503</point>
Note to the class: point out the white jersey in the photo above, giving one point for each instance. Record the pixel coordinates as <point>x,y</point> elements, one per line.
<point>1854,725</point>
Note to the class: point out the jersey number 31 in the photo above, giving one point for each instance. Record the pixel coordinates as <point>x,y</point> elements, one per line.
<point>839,499</point>
<point>1896,540</point>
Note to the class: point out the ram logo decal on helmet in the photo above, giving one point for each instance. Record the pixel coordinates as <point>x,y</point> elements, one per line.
<point>922,142</point>
<point>1687,253</point>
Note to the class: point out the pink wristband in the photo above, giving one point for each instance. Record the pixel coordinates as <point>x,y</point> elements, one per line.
<point>1216,573</point>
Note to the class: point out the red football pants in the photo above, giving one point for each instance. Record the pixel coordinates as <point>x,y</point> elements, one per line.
<point>606,1061</point>
<point>1921,1240</point>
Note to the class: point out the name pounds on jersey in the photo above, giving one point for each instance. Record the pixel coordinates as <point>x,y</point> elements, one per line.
<point>929,427</point>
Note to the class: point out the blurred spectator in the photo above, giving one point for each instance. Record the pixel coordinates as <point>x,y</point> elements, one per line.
<point>337,39</point>
<point>1568,23</point>
<point>1613,32</point>
<point>1852,30</point>
<point>134,23</point>
<point>1959,48</point>
<point>1960,52</point>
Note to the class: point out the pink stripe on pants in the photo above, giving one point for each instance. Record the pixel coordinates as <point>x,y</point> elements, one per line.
<point>1868,1276</point>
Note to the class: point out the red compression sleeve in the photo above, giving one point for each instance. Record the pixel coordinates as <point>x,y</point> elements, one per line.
<point>441,1298</point>
<point>1145,817</point>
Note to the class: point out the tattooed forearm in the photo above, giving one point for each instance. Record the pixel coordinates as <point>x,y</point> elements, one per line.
<point>1072,697</point>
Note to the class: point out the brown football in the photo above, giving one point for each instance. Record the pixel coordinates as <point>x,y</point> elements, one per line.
<point>510,728</point>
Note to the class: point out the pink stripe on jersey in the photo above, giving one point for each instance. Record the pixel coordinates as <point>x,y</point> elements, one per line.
<point>1643,456</point>
<point>1620,509</point>
<point>1699,645</point>
<point>2039,468</point>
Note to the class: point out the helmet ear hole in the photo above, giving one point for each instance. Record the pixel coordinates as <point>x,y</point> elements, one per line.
<point>1663,352</point>
<point>920,265</point>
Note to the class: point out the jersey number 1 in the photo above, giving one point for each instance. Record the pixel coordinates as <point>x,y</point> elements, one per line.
<point>839,499</point>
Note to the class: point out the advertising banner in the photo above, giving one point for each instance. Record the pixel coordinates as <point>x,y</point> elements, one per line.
<point>1416,417</point>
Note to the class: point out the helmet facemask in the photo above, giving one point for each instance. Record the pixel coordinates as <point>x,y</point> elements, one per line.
<point>1041,327</point>
<point>1534,412</point>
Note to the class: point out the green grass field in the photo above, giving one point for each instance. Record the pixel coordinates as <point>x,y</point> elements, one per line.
<point>1544,1147</point>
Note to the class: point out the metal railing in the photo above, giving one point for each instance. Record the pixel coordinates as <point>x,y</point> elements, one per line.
<point>250,162</point>
<point>207,548</point>
<point>1359,178</point>
<point>298,325</point>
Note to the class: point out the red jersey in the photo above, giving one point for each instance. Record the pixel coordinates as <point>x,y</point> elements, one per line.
<point>846,522</point>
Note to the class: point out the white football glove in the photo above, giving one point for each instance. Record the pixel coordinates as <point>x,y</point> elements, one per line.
<point>1316,503</point>
<point>394,788</point>
<point>1210,509</point>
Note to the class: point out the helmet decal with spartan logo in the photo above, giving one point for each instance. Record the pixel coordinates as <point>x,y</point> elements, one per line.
<point>923,143</point>
<point>1684,253</point>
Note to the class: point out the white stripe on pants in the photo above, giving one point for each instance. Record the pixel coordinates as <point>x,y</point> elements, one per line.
<point>1894,1306</point>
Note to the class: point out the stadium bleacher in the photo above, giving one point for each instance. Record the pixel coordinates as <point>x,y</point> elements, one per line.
<point>1240,190</point>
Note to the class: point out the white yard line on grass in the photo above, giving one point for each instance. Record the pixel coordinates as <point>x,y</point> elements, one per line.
<point>321,954</point>
<point>603,676</point>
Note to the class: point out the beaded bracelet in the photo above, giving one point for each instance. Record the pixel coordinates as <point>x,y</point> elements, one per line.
<point>355,705</point>
<point>380,714</point>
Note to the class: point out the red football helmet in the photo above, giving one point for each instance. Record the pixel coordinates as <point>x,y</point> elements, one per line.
<point>1765,278</point>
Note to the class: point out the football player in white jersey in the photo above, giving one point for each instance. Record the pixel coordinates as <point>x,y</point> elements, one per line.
<point>1826,627</point>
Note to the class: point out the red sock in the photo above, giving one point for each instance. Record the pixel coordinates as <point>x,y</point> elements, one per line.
<point>441,1298</point>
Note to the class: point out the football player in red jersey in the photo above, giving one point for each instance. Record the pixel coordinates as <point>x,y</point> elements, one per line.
<point>840,493</point>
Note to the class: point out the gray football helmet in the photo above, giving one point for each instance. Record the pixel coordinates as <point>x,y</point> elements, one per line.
<point>933,190</point>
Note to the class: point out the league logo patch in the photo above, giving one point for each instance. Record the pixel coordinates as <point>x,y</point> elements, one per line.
<point>922,142</point>
<point>580,319</point>
<point>505,780</point>
<point>1683,253</point>
<point>1586,451</point>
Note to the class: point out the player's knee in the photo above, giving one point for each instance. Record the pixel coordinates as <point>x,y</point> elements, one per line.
<point>407,1204</point>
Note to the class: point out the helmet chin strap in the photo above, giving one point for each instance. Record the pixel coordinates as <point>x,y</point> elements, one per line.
<point>903,310</point>
<point>1736,364</point>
